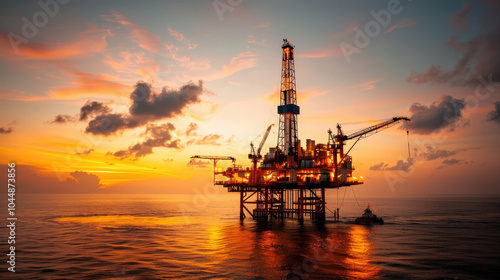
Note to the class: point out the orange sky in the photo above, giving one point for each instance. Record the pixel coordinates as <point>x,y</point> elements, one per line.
<point>116,98</point>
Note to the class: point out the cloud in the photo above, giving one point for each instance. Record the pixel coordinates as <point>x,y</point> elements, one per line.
<point>5,130</point>
<point>451,161</point>
<point>210,139</point>
<point>168,103</point>
<point>83,180</point>
<point>348,30</point>
<point>461,19</point>
<point>86,152</point>
<point>495,114</point>
<point>152,42</point>
<point>255,41</point>
<point>141,35</point>
<point>60,119</point>
<point>442,114</point>
<point>83,84</point>
<point>130,63</point>
<point>93,107</point>
<point>191,130</point>
<point>431,153</point>
<point>147,106</point>
<point>242,61</point>
<point>402,24</point>
<point>37,180</point>
<point>181,38</point>
<point>369,85</point>
<point>177,35</point>
<point>418,155</point>
<point>454,161</point>
<point>401,165</point>
<point>158,136</point>
<point>264,25</point>
<point>84,43</point>
<point>111,123</point>
<point>479,55</point>
<point>379,167</point>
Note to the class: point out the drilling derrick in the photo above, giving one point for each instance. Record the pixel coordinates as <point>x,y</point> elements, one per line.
<point>292,180</point>
<point>288,109</point>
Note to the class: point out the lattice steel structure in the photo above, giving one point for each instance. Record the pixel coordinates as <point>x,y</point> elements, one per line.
<point>288,109</point>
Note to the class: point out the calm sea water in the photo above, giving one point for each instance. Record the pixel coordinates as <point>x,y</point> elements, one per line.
<point>200,237</point>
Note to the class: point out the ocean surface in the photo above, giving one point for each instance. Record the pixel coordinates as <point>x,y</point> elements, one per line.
<point>201,237</point>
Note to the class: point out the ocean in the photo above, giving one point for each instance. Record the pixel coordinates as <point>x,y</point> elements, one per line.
<point>201,237</point>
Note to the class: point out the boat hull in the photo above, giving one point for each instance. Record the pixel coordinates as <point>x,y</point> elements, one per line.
<point>369,221</point>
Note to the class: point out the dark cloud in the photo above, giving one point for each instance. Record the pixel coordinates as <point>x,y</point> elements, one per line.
<point>479,55</point>
<point>90,108</point>
<point>454,161</point>
<point>379,167</point>
<point>86,152</point>
<point>107,124</point>
<point>63,119</point>
<point>93,107</point>
<point>401,165</point>
<point>167,104</point>
<point>191,130</point>
<point>451,161</point>
<point>5,130</point>
<point>495,114</point>
<point>429,154</point>
<point>442,114</point>
<point>158,136</point>
<point>147,106</point>
<point>84,179</point>
<point>461,19</point>
<point>432,154</point>
<point>38,180</point>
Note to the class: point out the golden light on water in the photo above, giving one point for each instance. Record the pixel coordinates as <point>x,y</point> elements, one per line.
<point>128,220</point>
<point>360,249</point>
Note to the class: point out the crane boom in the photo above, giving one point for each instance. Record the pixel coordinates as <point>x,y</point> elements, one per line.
<point>215,157</point>
<point>375,128</point>
<point>264,138</point>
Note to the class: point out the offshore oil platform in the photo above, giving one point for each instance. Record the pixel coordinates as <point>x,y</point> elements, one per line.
<point>291,180</point>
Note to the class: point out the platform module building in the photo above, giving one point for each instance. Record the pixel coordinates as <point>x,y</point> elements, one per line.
<point>290,181</point>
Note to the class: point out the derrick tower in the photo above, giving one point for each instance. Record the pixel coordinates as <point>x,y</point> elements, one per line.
<point>288,109</point>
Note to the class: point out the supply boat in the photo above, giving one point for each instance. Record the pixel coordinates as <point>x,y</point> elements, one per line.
<point>369,218</point>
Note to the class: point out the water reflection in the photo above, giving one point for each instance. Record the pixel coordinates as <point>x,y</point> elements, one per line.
<point>227,249</point>
<point>287,250</point>
<point>360,250</point>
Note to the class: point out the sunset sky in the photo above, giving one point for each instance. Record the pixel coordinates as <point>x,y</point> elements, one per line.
<point>115,96</point>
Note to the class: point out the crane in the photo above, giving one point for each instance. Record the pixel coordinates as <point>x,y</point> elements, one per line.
<point>253,153</point>
<point>372,129</point>
<point>341,137</point>
<point>214,159</point>
<point>255,156</point>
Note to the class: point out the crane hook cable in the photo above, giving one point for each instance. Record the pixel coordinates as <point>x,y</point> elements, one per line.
<point>361,208</point>
<point>342,203</point>
<point>408,137</point>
